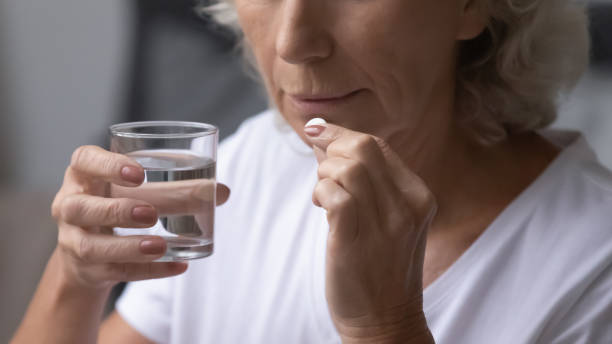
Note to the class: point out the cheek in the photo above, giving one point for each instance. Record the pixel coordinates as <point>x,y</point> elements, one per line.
<point>258,25</point>
<point>407,52</point>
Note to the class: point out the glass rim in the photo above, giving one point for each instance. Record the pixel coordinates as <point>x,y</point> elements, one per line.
<point>206,129</point>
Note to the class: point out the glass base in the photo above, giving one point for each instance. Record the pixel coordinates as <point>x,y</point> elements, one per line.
<point>179,249</point>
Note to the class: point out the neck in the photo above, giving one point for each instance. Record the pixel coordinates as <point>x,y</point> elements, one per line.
<point>473,183</point>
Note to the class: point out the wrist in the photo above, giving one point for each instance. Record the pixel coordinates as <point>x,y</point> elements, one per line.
<point>410,333</point>
<point>398,326</point>
<point>68,284</point>
<point>61,309</point>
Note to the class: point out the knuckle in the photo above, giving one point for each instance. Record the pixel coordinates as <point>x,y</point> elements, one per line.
<point>334,199</point>
<point>327,168</point>
<point>56,209</point>
<point>115,211</point>
<point>70,209</point>
<point>342,201</point>
<point>64,241</point>
<point>362,143</point>
<point>334,148</point>
<point>79,156</point>
<point>352,169</point>
<point>85,249</point>
<point>109,165</point>
<point>322,169</point>
<point>319,189</point>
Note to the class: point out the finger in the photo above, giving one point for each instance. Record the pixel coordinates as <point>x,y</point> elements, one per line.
<point>341,210</point>
<point>364,149</point>
<point>83,210</point>
<point>223,193</point>
<point>326,134</point>
<point>93,248</point>
<point>177,197</point>
<point>128,272</point>
<point>395,185</point>
<point>336,141</point>
<point>372,151</point>
<point>95,162</point>
<point>72,184</point>
<point>352,176</point>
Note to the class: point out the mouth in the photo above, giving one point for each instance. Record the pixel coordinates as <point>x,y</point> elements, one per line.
<point>321,103</point>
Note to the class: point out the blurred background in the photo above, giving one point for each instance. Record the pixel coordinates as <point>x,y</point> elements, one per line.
<point>70,68</point>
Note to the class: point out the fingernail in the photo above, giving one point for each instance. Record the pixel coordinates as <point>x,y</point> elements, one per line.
<point>314,127</point>
<point>144,214</point>
<point>152,246</point>
<point>314,130</point>
<point>132,174</point>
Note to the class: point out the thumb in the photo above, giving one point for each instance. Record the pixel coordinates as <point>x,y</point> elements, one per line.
<point>175,197</point>
<point>321,134</point>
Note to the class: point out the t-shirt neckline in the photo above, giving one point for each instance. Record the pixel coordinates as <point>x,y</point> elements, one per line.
<point>572,144</point>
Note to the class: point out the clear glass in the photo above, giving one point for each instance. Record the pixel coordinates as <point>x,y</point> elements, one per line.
<point>179,159</point>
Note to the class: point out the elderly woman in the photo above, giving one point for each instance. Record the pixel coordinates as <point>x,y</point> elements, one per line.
<point>425,204</point>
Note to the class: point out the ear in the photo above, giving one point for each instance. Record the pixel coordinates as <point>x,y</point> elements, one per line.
<point>474,19</point>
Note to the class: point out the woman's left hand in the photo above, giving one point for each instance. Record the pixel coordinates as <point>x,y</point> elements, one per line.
<point>379,213</point>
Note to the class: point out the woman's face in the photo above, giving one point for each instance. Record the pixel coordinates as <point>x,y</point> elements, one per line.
<point>378,66</point>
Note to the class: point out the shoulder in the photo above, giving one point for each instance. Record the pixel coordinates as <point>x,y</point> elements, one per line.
<point>571,215</point>
<point>576,181</point>
<point>579,249</point>
<point>581,187</point>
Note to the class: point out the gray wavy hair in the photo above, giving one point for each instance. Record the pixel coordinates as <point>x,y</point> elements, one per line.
<point>512,77</point>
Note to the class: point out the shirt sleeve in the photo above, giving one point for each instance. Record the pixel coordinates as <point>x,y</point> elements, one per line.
<point>589,320</point>
<point>147,307</point>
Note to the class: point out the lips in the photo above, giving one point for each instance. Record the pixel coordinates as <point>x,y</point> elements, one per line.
<point>322,103</point>
<point>323,98</point>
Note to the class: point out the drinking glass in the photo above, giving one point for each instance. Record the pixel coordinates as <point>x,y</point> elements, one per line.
<point>179,159</point>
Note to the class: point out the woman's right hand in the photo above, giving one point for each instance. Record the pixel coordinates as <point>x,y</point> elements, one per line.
<point>101,190</point>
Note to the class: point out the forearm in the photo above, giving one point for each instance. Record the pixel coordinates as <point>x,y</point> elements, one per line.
<point>60,312</point>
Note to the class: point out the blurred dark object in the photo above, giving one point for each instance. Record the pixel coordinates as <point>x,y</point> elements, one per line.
<point>601,35</point>
<point>186,68</point>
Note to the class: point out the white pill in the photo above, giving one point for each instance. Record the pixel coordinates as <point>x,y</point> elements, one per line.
<point>315,121</point>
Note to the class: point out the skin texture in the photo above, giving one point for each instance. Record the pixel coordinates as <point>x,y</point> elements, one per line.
<point>406,191</point>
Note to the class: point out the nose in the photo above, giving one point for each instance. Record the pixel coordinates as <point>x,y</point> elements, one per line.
<point>302,36</point>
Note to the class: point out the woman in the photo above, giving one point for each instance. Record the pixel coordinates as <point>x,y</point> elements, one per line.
<point>440,214</point>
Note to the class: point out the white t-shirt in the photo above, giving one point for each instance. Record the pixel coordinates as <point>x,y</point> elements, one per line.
<point>541,272</point>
